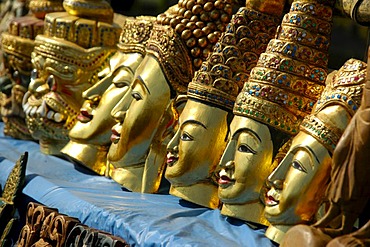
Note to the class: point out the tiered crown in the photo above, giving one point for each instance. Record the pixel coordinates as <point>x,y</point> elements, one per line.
<point>18,41</point>
<point>290,75</point>
<point>91,31</point>
<point>345,89</point>
<point>222,75</point>
<point>184,37</point>
<point>136,34</point>
<point>85,43</point>
<point>40,8</point>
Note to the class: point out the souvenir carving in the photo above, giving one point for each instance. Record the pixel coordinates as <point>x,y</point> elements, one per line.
<point>348,190</point>
<point>36,215</point>
<point>280,91</point>
<point>90,136</point>
<point>11,191</point>
<point>10,9</point>
<point>181,39</point>
<point>70,57</point>
<point>82,235</point>
<point>17,46</point>
<point>45,227</point>
<point>299,182</point>
<point>197,146</point>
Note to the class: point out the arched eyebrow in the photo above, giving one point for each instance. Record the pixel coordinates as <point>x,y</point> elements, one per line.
<point>247,130</point>
<point>123,67</point>
<point>194,122</point>
<point>143,83</point>
<point>294,150</point>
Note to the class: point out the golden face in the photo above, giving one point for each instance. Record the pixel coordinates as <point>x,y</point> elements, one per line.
<point>13,86</point>
<point>54,98</point>
<point>298,183</point>
<point>94,120</point>
<point>138,115</point>
<point>246,161</point>
<point>194,151</point>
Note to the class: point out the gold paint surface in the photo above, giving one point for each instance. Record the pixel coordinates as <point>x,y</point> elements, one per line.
<point>195,149</point>
<point>54,96</point>
<point>138,116</point>
<point>95,122</point>
<point>298,184</point>
<point>244,167</point>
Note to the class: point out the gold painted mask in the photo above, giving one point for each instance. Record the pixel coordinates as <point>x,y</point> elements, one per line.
<point>17,46</point>
<point>90,137</point>
<point>298,184</point>
<point>138,114</point>
<point>173,51</point>
<point>245,164</point>
<point>194,151</point>
<point>64,67</point>
<point>13,86</point>
<point>273,102</point>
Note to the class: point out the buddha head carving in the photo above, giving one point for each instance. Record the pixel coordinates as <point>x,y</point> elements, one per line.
<point>274,100</point>
<point>17,46</point>
<point>175,49</point>
<point>90,136</point>
<point>197,146</point>
<point>298,184</point>
<point>68,58</point>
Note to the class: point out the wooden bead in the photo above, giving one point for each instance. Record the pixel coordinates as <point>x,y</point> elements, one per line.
<point>186,34</point>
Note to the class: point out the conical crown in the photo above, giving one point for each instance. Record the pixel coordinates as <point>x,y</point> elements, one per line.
<point>290,74</point>
<point>345,88</point>
<point>185,35</point>
<point>222,75</point>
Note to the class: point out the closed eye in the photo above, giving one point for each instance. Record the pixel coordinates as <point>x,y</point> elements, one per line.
<point>121,84</point>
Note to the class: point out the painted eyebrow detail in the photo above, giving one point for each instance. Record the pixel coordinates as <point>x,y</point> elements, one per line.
<point>194,121</point>
<point>309,149</point>
<point>248,130</point>
<point>142,82</point>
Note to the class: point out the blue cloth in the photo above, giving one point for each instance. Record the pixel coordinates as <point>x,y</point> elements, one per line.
<point>140,219</point>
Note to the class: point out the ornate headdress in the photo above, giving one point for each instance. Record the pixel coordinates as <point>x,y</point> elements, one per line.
<point>345,89</point>
<point>18,41</point>
<point>222,75</point>
<point>17,45</point>
<point>85,43</point>
<point>290,75</point>
<point>39,8</point>
<point>135,35</point>
<point>185,35</point>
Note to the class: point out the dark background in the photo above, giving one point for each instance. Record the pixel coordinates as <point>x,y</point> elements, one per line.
<point>349,39</point>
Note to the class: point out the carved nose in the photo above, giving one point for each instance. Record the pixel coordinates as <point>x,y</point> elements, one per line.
<point>230,164</point>
<point>119,116</point>
<point>174,149</point>
<point>94,99</point>
<point>278,184</point>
